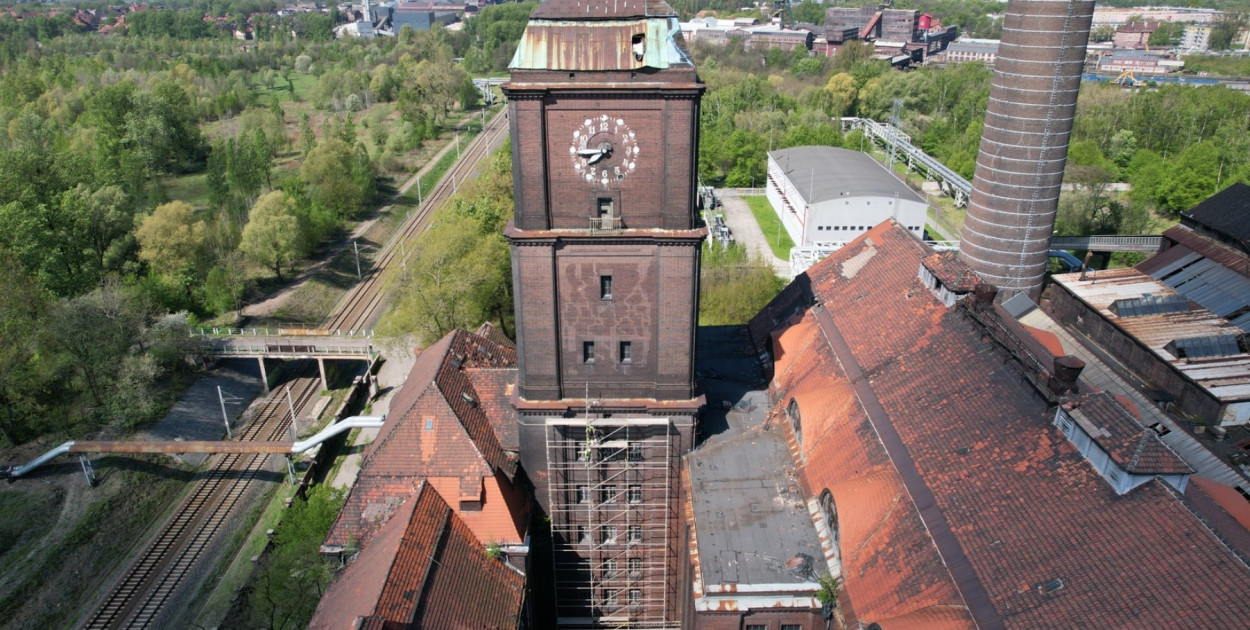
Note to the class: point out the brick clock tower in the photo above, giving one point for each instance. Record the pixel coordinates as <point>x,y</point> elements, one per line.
<point>604,114</point>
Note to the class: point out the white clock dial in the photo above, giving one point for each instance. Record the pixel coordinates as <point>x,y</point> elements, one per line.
<point>604,150</point>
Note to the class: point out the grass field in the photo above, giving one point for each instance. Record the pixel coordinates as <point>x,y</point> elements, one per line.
<point>778,239</point>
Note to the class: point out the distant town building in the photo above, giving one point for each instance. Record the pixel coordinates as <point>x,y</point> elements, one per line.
<point>754,36</point>
<point>1197,37</point>
<point>1134,35</point>
<point>983,50</point>
<point>832,195</point>
<point>1139,63</point>
<point>1111,16</point>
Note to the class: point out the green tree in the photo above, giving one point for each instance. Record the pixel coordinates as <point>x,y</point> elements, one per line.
<point>842,94</point>
<point>272,237</point>
<point>307,139</point>
<point>94,331</point>
<point>171,239</point>
<point>733,285</point>
<point>328,174</point>
<point>1191,178</point>
<point>1226,26</point>
<point>21,372</point>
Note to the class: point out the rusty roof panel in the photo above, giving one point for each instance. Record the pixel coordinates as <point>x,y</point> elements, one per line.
<point>602,9</point>
<point>600,45</point>
<point>1227,378</point>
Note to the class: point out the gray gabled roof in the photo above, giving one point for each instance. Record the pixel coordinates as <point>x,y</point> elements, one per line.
<point>822,173</point>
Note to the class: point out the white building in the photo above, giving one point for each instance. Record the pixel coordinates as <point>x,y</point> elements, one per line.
<point>832,195</point>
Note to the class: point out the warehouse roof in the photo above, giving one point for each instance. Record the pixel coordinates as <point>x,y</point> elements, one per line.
<point>821,173</point>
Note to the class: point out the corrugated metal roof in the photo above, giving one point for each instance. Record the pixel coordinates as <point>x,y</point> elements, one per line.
<point>1227,377</point>
<point>1205,281</point>
<point>600,45</point>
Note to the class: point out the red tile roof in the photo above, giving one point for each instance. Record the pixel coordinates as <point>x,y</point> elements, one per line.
<point>906,392</point>
<point>442,428</point>
<point>1135,448</point>
<point>416,574</point>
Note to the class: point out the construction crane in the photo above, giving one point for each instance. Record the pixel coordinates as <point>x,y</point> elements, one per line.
<point>1127,79</point>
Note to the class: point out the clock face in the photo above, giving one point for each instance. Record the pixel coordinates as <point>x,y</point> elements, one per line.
<point>604,150</point>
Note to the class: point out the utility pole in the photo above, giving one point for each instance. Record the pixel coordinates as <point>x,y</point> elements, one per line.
<point>357,250</point>
<point>224,418</point>
<point>294,428</point>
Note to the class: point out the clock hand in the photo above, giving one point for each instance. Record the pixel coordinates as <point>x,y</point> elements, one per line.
<point>590,152</point>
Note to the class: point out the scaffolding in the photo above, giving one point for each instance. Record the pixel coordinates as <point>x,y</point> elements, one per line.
<point>611,488</point>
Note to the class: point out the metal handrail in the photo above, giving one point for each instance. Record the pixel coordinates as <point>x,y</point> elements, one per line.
<point>605,224</point>
<point>225,331</point>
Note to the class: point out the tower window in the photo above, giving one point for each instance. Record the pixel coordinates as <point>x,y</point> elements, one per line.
<point>607,494</point>
<point>627,351</point>
<point>603,207</point>
<point>609,597</point>
<point>635,494</point>
<point>635,596</point>
<point>588,352</point>
<point>605,287</point>
<point>635,568</point>
<point>609,534</point>
<point>635,534</point>
<point>583,494</point>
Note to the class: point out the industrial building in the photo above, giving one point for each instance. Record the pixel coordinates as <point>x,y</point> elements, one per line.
<point>1180,318</point>
<point>966,476</point>
<point>830,195</point>
<point>982,50</point>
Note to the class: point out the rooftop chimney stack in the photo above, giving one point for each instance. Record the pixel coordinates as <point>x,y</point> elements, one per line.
<point>1015,190</point>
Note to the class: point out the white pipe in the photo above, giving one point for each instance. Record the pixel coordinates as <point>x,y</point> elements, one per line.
<point>346,424</point>
<point>18,471</point>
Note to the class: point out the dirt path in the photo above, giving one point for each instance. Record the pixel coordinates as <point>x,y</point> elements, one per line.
<point>746,230</point>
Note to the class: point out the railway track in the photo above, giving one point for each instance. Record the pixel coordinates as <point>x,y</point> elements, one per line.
<point>364,303</point>
<point>147,585</point>
<point>138,597</point>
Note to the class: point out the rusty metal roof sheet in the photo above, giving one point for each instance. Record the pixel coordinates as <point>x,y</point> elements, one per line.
<point>618,44</point>
<point>1227,378</point>
<point>602,9</point>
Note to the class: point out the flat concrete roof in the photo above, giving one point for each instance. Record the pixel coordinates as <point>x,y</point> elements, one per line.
<point>749,513</point>
<point>821,173</point>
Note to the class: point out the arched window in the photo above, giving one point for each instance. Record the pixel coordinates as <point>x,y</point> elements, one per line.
<point>795,423</point>
<point>830,512</point>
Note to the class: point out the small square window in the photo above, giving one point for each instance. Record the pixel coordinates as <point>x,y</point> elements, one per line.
<point>607,494</point>
<point>635,568</point>
<point>635,596</point>
<point>588,352</point>
<point>635,494</point>
<point>605,287</point>
<point>635,452</point>
<point>583,494</point>
<point>627,351</point>
<point>609,534</point>
<point>609,597</point>
<point>635,533</point>
<point>609,568</point>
